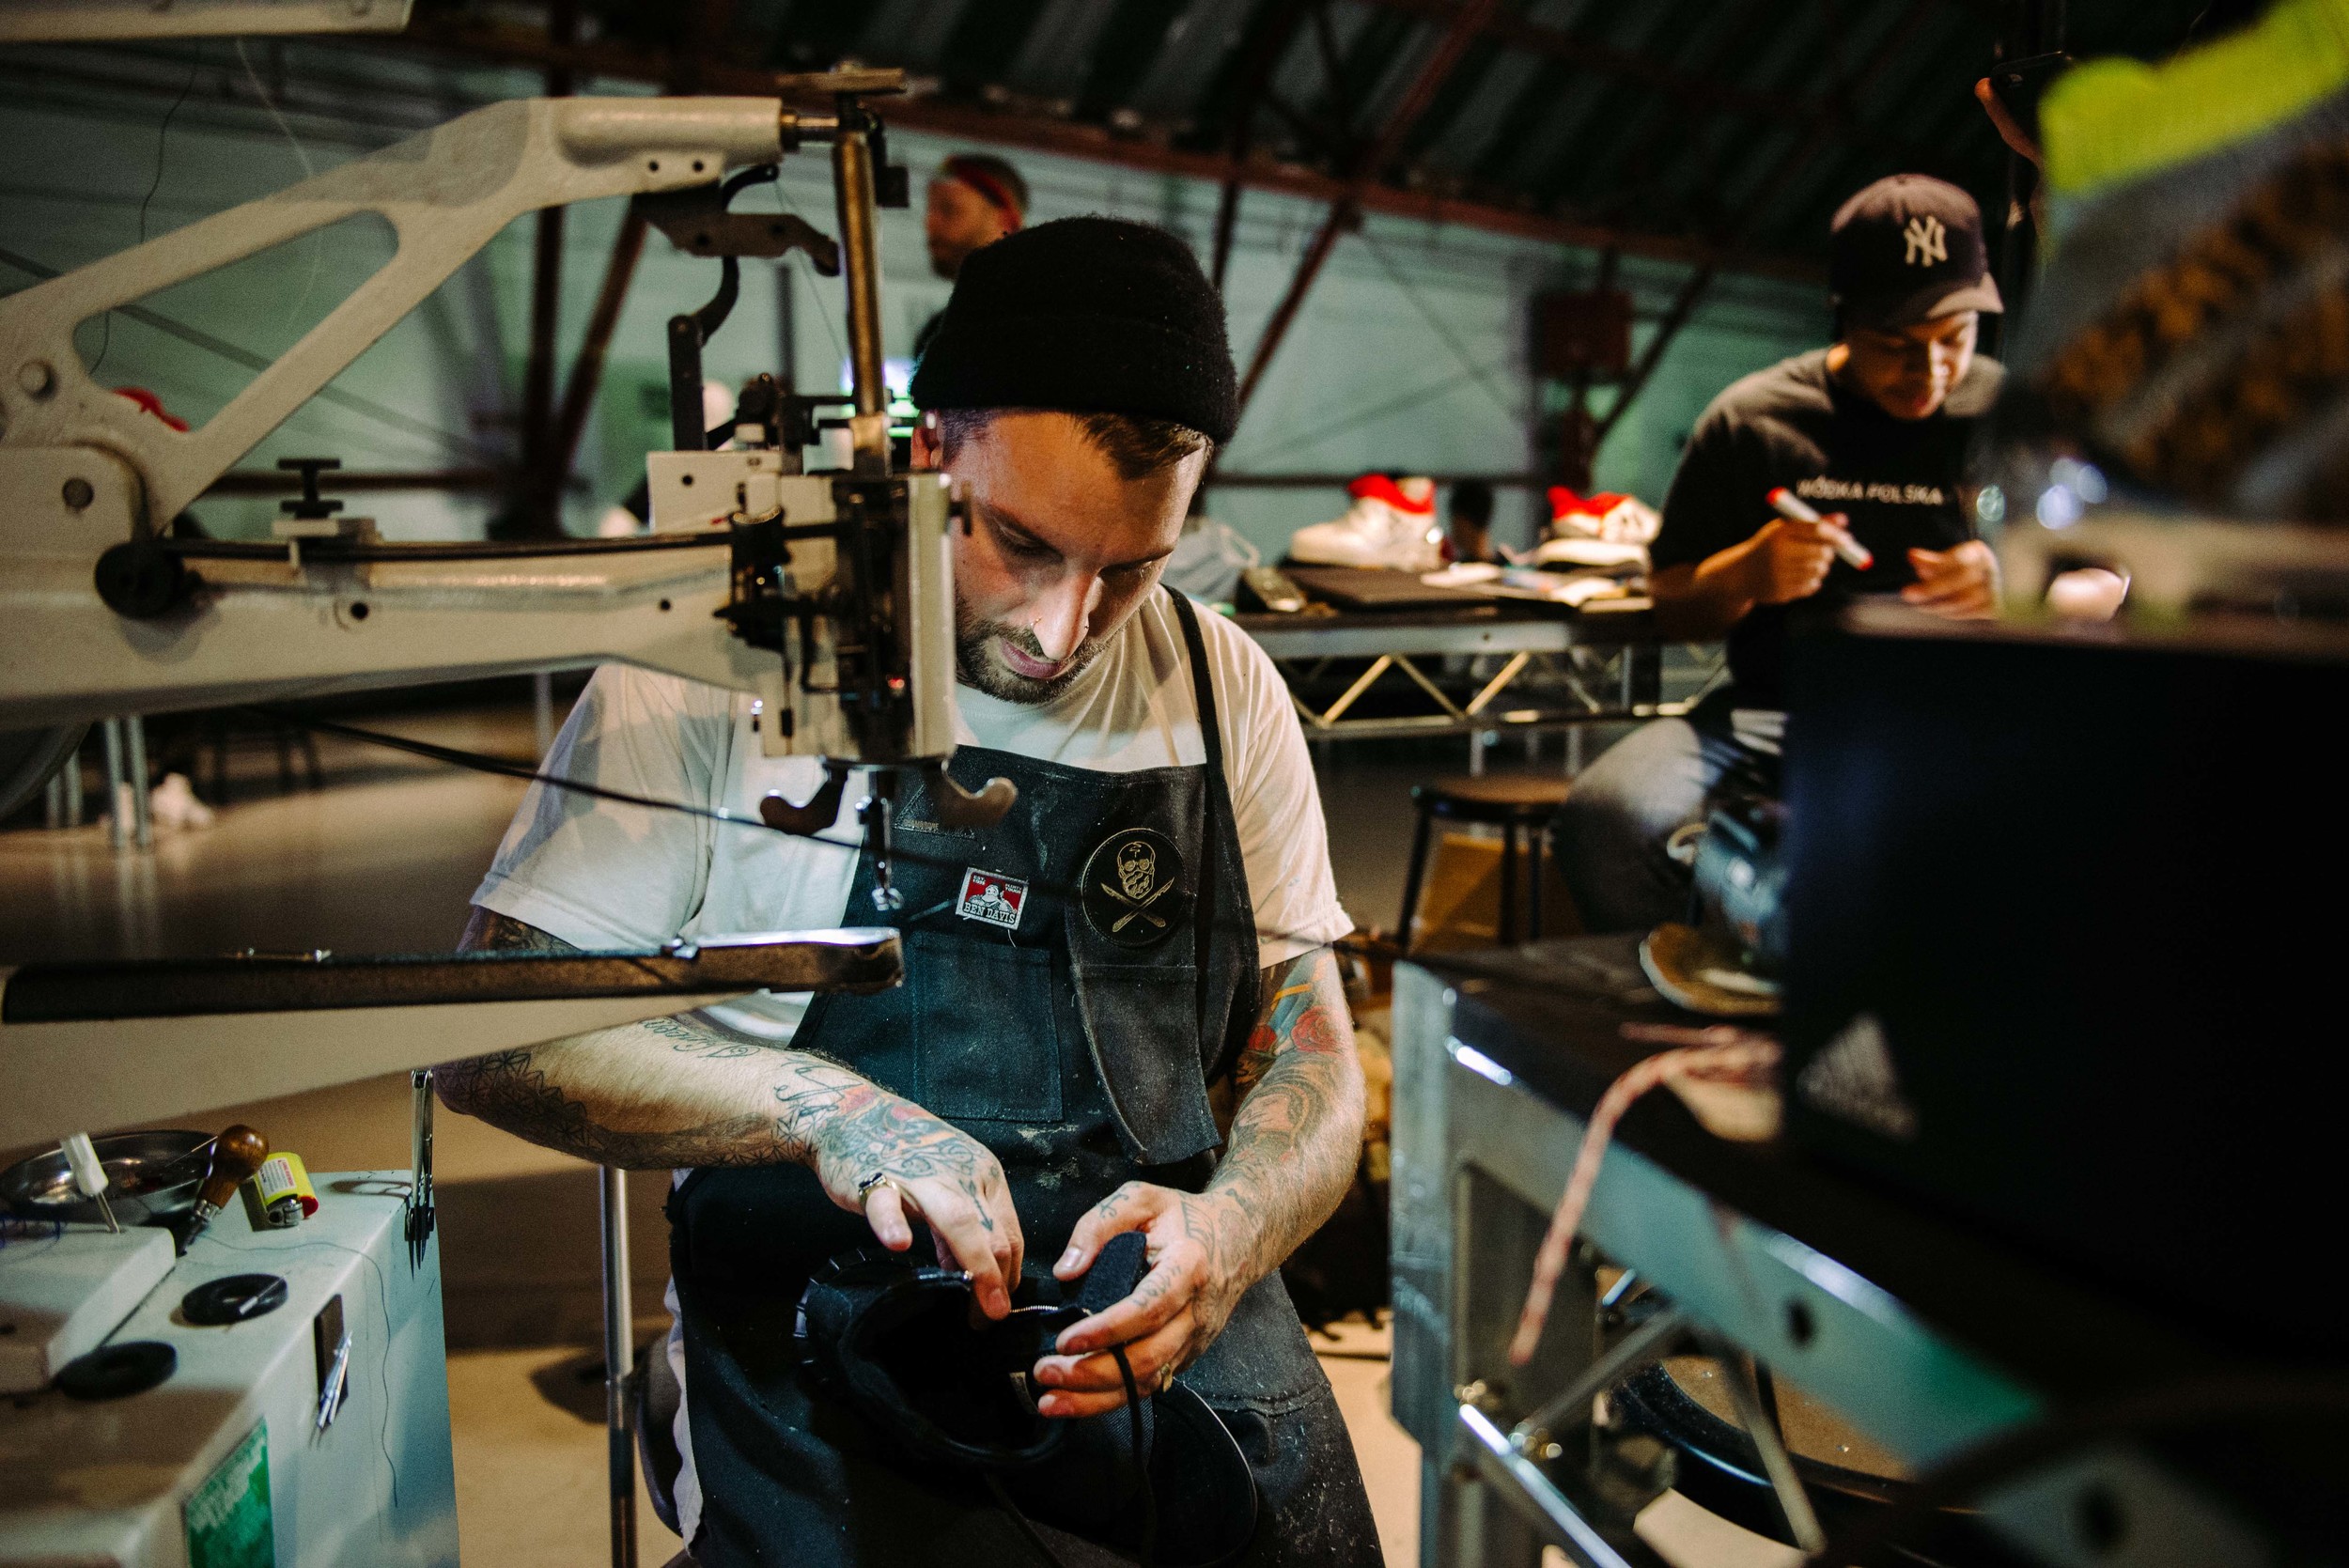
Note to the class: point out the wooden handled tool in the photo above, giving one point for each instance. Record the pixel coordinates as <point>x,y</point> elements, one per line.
<point>236,1152</point>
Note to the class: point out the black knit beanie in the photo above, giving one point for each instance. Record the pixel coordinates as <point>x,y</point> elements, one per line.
<point>1085,315</point>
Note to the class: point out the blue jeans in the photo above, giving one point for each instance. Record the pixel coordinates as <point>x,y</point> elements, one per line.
<point>1610,833</point>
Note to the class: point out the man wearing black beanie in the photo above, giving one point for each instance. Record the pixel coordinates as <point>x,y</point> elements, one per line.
<point>1148,928</point>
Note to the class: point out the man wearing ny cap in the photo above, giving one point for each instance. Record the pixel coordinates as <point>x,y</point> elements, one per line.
<point>1873,432</point>
<point>1120,1012</point>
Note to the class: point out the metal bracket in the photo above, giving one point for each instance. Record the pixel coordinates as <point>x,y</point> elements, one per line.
<point>697,222</point>
<point>1650,1342</point>
<point>1802,1521</point>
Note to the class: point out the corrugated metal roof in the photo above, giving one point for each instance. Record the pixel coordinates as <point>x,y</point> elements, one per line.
<point>1669,118</point>
<point>1693,127</point>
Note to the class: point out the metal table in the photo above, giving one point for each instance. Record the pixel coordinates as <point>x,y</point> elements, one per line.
<point>1926,1337</point>
<point>1556,668</point>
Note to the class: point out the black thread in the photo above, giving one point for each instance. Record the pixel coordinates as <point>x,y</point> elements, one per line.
<point>106,330</point>
<point>504,767</point>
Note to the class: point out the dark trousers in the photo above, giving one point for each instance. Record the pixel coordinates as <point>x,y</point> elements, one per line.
<point>1612,832</point>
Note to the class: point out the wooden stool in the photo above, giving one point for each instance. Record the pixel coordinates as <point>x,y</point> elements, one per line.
<point>1515,804</point>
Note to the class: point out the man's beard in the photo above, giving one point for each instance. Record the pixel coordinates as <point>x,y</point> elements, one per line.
<point>975,667</point>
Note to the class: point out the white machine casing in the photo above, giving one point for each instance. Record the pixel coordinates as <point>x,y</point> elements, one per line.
<point>110,1481</point>
<point>62,1294</point>
<point>702,491</point>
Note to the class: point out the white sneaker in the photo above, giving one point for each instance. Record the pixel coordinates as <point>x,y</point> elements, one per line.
<point>1617,518</point>
<point>173,804</point>
<point>1391,524</point>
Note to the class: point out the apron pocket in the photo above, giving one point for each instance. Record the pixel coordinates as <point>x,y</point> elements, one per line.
<point>984,1017</point>
<point>1142,1021</point>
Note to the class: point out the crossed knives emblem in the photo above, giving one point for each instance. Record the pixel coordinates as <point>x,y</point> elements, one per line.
<point>1137,908</point>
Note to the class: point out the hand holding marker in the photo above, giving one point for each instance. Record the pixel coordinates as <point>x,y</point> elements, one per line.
<point>1786,504</point>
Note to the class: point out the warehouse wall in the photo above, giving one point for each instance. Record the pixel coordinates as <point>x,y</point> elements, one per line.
<point>1410,352</point>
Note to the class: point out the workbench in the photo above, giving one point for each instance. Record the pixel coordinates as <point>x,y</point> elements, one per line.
<point>224,1464</point>
<point>1499,664</point>
<point>1929,1338</point>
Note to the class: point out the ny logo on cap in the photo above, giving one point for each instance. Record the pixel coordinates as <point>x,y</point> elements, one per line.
<point>1928,241</point>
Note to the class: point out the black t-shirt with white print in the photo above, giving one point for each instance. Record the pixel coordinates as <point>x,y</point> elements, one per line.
<point>1898,480</point>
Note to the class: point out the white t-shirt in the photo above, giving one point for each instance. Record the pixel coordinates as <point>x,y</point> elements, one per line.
<point>600,874</point>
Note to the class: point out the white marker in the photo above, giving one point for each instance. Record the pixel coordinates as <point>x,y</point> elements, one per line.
<point>1794,509</point>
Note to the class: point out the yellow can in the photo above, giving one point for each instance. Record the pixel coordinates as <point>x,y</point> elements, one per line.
<point>285,1190</point>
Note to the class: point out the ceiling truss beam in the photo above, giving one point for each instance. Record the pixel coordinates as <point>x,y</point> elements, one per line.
<point>1755,206</point>
<point>1346,212</point>
<point>507,44</point>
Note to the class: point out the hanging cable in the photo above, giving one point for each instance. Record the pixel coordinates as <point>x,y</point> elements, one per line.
<point>106,330</point>
<point>479,762</point>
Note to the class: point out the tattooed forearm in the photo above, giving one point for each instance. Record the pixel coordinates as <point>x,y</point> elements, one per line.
<point>663,1092</point>
<point>487,931</point>
<point>1298,1132</point>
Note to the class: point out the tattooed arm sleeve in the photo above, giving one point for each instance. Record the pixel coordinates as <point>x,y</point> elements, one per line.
<point>1298,1132</point>
<point>663,1092</point>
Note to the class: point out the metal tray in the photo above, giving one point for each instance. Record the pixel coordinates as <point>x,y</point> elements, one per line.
<point>151,1177</point>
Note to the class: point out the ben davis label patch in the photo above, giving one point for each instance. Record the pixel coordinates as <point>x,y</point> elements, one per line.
<point>992,898</point>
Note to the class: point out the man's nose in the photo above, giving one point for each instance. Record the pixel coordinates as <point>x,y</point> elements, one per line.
<point>1065,613</point>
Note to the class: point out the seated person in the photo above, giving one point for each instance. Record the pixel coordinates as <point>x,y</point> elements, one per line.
<point>1472,537</point>
<point>1871,431</point>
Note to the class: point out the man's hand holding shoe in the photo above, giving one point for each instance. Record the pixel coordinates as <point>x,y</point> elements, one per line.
<point>1196,1250</point>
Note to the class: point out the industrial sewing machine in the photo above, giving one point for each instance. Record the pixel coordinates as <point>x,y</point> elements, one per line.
<point>828,596</point>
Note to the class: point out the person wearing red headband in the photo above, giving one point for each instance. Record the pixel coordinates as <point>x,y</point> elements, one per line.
<point>974,201</point>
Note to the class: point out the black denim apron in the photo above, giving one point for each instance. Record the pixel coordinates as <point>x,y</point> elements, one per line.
<point>1074,1035</point>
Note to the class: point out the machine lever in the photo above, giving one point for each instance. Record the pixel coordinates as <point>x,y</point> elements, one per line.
<point>958,807</point>
<point>821,811</point>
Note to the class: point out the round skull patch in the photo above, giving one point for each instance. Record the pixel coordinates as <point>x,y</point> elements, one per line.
<point>1133,891</point>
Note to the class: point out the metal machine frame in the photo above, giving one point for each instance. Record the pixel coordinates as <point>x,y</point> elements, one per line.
<point>828,596</point>
<point>1513,1458</point>
<point>101,612</point>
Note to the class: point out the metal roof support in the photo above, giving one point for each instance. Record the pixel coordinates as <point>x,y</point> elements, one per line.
<point>578,391</point>
<point>1346,213</point>
<point>538,514</point>
<point>1683,304</point>
<point>1255,77</point>
<point>506,43</point>
<point>1705,94</point>
<point>1578,424</point>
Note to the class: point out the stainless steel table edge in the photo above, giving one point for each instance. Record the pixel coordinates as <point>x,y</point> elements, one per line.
<point>1819,1324</point>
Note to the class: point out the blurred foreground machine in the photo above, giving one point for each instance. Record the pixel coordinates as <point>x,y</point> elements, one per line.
<point>2059,1122</point>
<point>829,596</point>
<point>2022,1260</point>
